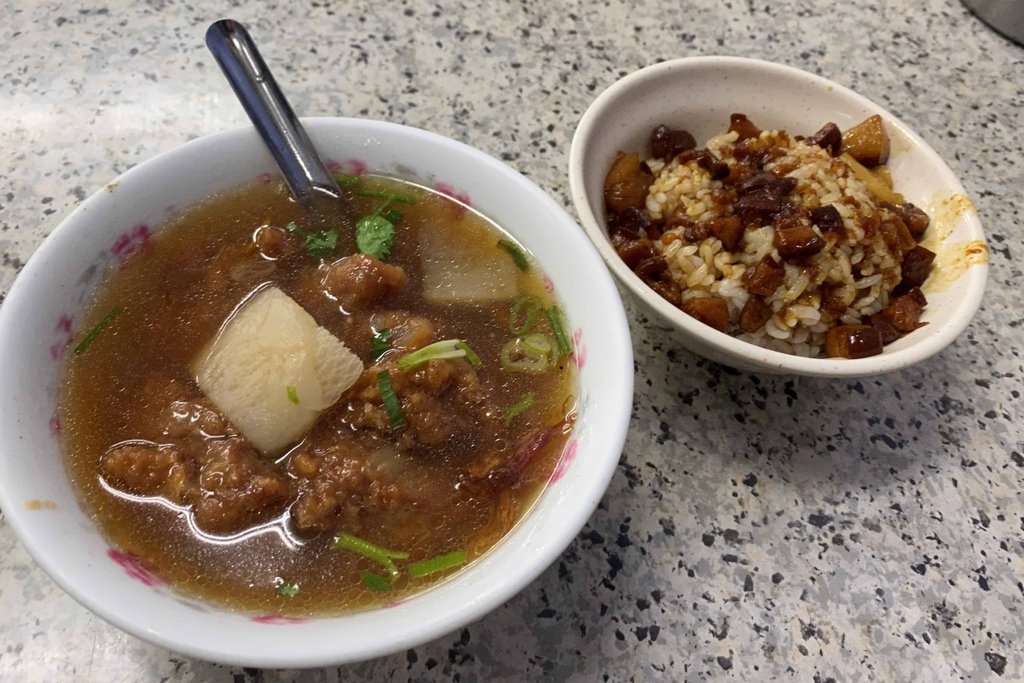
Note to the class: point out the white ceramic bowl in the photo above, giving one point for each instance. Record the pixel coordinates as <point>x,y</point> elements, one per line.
<point>40,315</point>
<point>699,94</point>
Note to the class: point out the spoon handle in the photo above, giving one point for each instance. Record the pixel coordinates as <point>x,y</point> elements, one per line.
<point>269,111</point>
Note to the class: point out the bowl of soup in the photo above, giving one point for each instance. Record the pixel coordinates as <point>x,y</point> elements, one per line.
<point>263,438</point>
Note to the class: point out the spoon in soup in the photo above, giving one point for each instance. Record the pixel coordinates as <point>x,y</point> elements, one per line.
<point>312,185</point>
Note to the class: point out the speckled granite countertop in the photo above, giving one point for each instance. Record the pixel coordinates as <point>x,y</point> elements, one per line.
<point>757,527</point>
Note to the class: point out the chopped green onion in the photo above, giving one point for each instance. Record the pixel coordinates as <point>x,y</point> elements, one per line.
<point>344,179</point>
<point>517,408</point>
<point>449,348</point>
<point>98,330</point>
<point>437,564</point>
<point>318,244</point>
<point>376,582</point>
<point>556,326</point>
<point>390,196</point>
<point>287,589</point>
<point>380,344</point>
<point>517,255</point>
<point>518,355</point>
<point>523,313</point>
<point>471,355</point>
<point>293,395</point>
<point>390,401</point>
<point>538,342</point>
<point>374,236</point>
<point>370,551</point>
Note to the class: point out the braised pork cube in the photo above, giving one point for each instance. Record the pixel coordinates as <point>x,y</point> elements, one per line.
<point>754,315</point>
<point>667,143</point>
<point>743,127</point>
<point>897,237</point>
<point>797,241</point>
<point>886,331</point>
<point>712,164</point>
<point>829,138</point>
<point>916,219</point>
<point>827,219</point>
<point>904,312</point>
<point>710,310</point>
<point>632,251</point>
<point>762,196</point>
<point>764,278</point>
<point>655,273</point>
<point>626,184</point>
<point>853,341</point>
<point>632,222</point>
<point>728,229</point>
<point>917,263</point>
<point>867,142</point>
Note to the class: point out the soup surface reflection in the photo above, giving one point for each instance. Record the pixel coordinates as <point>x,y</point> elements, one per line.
<point>421,465</point>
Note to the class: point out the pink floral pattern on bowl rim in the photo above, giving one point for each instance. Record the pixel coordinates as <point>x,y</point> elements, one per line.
<point>134,567</point>
<point>138,238</point>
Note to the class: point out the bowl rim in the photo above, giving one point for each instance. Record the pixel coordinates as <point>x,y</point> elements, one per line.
<point>306,652</point>
<point>973,279</point>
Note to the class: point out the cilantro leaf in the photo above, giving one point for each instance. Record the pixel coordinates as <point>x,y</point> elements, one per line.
<point>321,244</point>
<point>318,244</point>
<point>375,235</point>
<point>287,589</point>
<point>390,196</point>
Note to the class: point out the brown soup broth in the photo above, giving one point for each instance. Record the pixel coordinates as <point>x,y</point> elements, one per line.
<point>175,295</point>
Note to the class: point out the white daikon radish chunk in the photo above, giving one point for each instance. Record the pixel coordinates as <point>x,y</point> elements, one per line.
<point>272,370</point>
<point>460,267</point>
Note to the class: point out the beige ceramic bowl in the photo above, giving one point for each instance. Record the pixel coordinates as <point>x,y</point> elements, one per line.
<point>699,94</point>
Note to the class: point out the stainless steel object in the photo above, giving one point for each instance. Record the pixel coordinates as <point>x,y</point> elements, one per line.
<point>308,178</point>
<point>1005,16</point>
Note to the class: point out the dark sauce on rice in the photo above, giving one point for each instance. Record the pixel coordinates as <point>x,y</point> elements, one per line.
<point>786,242</point>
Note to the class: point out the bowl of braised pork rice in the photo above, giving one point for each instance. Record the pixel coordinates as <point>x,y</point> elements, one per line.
<point>270,438</point>
<point>777,221</point>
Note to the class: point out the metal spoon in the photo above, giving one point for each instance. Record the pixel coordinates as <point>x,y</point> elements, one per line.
<point>305,173</point>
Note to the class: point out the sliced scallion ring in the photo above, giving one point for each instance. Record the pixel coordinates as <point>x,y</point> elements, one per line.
<point>517,355</point>
<point>523,314</point>
<point>538,342</point>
